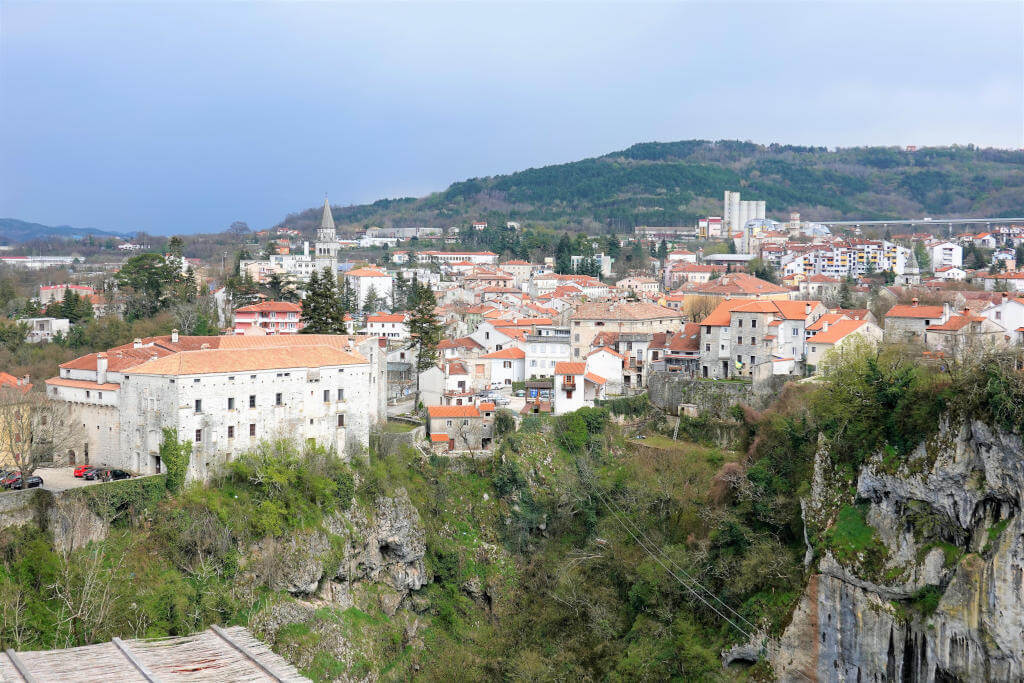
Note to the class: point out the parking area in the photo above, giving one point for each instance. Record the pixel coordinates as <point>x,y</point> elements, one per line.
<point>61,478</point>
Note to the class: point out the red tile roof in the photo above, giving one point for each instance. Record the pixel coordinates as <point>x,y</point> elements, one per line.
<point>837,331</point>
<point>567,368</point>
<point>452,411</point>
<point>512,353</point>
<point>270,306</point>
<point>596,379</point>
<point>912,311</point>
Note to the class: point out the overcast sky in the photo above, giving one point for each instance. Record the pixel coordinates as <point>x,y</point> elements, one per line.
<point>182,117</point>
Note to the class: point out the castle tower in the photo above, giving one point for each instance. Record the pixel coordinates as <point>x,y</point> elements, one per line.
<point>327,237</point>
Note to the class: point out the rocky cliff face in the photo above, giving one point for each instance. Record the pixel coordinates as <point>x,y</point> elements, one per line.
<point>943,599</point>
<point>383,546</point>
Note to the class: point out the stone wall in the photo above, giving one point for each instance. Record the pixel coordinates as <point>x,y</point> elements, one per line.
<point>669,391</point>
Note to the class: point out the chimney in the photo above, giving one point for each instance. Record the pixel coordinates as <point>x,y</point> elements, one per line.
<point>1006,295</point>
<point>945,311</point>
<point>101,368</point>
<point>913,302</point>
<point>174,336</point>
<point>824,326</point>
<point>807,308</point>
<point>137,344</point>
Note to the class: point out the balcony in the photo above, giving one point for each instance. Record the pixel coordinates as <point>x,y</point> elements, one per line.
<point>569,384</point>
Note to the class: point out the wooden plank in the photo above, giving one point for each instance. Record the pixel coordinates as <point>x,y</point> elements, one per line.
<point>227,639</point>
<point>20,666</point>
<point>146,673</point>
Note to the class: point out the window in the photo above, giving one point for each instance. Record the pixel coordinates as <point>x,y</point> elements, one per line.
<point>199,405</point>
<point>753,360</point>
<point>568,394</point>
<point>231,403</point>
<point>252,376</point>
<point>507,364</point>
<point>341,420</point>
<point>814,349</point>
<point>753,341</point>
<point>448,423</point>
<point>195,381</point>
<point>739,340</point>
<point>88,393</point>
<point>576,337</point>
<point>231,431</point>
<point>252,400</point>
<point>739,358</point>
<point>707,347</point>
<point>327,395</point>
<point>278,399</point>
<point>753,324</point>
<point>341,394</point>
<point>231,378</point>
<point>739,323</point>
<point>199,435</point>
<point>252,429</point>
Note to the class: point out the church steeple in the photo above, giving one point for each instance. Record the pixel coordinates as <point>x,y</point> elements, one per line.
<point>326,237</point>
<point>327,220</point>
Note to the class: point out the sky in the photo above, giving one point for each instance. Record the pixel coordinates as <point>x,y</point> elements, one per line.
<point>181,117</point>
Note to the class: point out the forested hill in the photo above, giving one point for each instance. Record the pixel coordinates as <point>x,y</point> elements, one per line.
<point>675,183</point>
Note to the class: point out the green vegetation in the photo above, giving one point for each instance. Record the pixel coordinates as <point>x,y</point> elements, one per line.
<point>675,183</point>
<point>854,541</point>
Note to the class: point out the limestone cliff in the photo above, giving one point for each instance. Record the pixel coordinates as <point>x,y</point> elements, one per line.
<point>939,596</point>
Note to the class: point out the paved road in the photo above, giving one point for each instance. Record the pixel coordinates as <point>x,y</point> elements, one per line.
<point>62,478</point>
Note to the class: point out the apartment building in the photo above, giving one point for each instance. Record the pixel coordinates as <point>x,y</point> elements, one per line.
<point>269,317</point>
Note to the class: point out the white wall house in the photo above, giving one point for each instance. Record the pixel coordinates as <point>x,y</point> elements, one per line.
<point>575,388</point>
<point>224,395</point>
<point>387,325</point>
<point>363,280</point>
<point>506,366</point>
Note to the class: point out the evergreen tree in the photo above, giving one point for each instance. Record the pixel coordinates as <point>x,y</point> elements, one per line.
<point>322,310</point>
<point>563,256</point>
<point>424,330</point>
<point>613,248</point>
<point>372,302</point>
<point>663,250</point>
<point>845,295</point>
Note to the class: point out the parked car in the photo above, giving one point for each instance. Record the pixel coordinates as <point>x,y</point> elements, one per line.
<point>13,482</point>
<point>92,474</point>
<point>114,475</point>
<point>10,478</point>
<point>520,393</point>
<point>502,401</point>
<point>80,470</point>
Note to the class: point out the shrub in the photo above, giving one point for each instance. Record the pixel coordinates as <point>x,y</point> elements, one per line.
<point>571,432</point>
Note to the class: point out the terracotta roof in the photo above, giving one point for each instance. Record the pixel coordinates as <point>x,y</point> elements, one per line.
<point>512,353</point>
<point>605,348</point>
<point>733,284</point>
<point>268,306</point>
<point>782,308</point>
<point>457,368</point>
<point>567,368</point>
<point>368,272</point>
<point>830,318</point>
<point>460,343</point>
<point>623,310</point>
<point>81,384</point>
<point>837,331</point>
<point>956,323</point>
<point>453,411</point>
<point>386,318</point>
<point>596,379</point>
<point>904,311</point>
<point>241,360</point>
<point>486,407</point>
<point>439,438</point>
<point>9,380</point>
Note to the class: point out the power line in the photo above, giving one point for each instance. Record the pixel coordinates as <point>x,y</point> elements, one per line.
<point>668,569</point>
<point>684,573</point>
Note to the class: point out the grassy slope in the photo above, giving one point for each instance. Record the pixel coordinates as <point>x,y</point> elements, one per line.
<point>675,183</point>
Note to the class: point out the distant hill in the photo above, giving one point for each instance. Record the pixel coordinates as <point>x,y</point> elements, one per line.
<point>675,183</point>
<point>16,231</point>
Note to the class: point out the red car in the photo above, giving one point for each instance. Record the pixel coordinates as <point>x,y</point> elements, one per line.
<point>11,479</point>
<point>80,470</point>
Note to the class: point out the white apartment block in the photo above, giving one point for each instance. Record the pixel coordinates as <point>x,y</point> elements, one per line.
<point>945,255</point>
<point>387,325</point>
<point>363,280</point>
<point>842,259</point>
<point>544,348</point>
<point>224,395</point>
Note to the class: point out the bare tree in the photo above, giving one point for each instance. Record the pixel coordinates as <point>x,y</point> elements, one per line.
<point>34,429</point>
